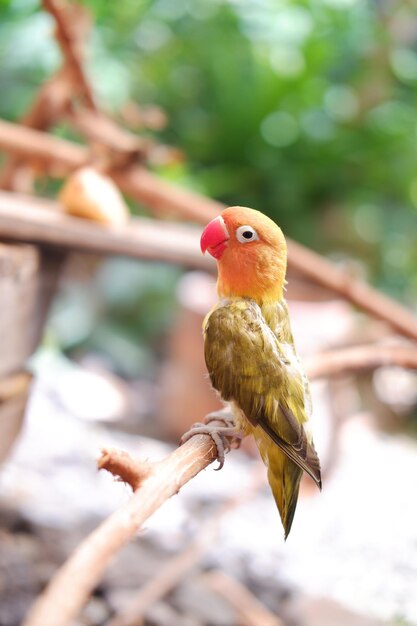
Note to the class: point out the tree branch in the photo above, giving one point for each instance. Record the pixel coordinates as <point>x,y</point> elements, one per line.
<point>35,145</point>
<point>375,303</point>
<point>166,199</point>
<point>71,22</point>
<point>359,358</point>
<point>36,220</point>
<point>99,128</point>
<point>72,585</point>
<point>51,101</point>
<point>175,569</point>
<point>55,95</point>
<point>247,606</point>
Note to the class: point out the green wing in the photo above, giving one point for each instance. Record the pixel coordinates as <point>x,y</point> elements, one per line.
<point>248,364</point>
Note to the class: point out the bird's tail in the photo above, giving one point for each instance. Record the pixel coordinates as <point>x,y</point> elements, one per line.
<point>284,478</point>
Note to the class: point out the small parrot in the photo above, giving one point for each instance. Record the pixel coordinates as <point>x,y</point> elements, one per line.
<point>250,353</point>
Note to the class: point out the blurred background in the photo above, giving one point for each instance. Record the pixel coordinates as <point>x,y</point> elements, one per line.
<point>306,111</point>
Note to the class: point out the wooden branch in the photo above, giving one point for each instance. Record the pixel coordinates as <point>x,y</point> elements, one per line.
<point>375,303</point>
<point>24,218</point>
<point>124,467</point>
<point>73,583</point>
<point>167,579</point>
<point>50,102</point>
<point>71,21</point>
<point>54,96</point>
<point>35,145</point>
<point>175,569</point>
<point>138,116</point>
<point>251,612</point>
<point>116,148</point>
<point>98,127</point>
<point>359,358</point>
<point>164,198</point>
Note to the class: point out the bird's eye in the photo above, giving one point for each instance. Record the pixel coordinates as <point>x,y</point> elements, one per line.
<point>245,234</point>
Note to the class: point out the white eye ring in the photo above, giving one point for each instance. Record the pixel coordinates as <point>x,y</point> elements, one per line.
<point>246,234</point>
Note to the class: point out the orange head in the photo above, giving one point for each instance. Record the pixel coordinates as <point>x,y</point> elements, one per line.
<point>251,254</point>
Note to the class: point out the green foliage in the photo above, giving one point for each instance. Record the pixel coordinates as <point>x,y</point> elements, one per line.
<point>306,110</point>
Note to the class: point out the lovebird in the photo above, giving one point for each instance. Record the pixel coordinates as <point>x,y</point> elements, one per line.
<point>250,354</point>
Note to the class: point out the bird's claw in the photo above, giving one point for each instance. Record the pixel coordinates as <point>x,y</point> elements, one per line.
<point>227,419</point>
<point>224,437</point>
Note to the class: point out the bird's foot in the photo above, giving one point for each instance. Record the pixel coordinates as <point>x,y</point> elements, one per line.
<point>223,415</point>
<point>226,416</point>
<point>224,437</point>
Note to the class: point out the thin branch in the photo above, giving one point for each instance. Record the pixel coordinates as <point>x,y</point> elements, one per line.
<point>55,95</point>
<point>167,579</point>
<point>176,568</point>
<point>50,102</point>
<point>114,147</point>
<point>166,199</point>
<point>99,127</point>
<point>247,606</point>
<point>73,583</point>
<point>124,467</point>
<point>70,22</point>
<point>375,303</point>
<point>35,145</point>
<point>36,220</point>
<point>359,358</point>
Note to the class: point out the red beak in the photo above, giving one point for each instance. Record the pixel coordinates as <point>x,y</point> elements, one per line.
<point>215,237</point>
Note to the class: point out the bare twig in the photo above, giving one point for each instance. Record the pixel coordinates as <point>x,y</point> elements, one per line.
<point>319,269</point>
<point>55,95</point>
<point>358,358</point>
<point>81,573</point>
<point>97,126</point>
<point>124,467</point>
<point>165,198</point>
<point>168,577</point>
<point>35,145</point>
<point>71,21</point>
<point>249,609</point>
<point>171,573</point>
<point>115,148</point>
<point>51,100</point>
<point>151,116</point>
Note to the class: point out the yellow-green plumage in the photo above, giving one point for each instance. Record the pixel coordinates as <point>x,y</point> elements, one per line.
<point>251,360</point>
<point>250,353</point>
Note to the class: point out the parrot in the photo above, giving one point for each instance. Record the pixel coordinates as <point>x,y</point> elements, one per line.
<point>250,353</point>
